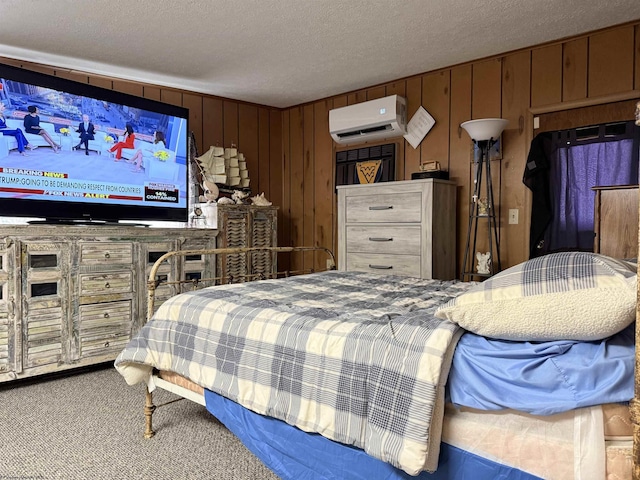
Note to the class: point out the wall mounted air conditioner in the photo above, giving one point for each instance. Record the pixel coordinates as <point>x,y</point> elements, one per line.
<point>373,120</point>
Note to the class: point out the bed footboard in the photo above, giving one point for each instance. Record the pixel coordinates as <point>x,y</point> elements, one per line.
<point>317,255</point>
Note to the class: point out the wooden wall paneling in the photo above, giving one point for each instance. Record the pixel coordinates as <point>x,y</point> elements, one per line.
<point>212,123</point>
<point>308,220</point>
<point>323,177</point>
<point>230,123</point>
<point>152,93</point>
<point>12,61</point>
<point>194,103</point>
<point>248,144</point>
<point>636,82</point>
<point>286,240</point>
<point>436,99</point>
<point>408,161</point>
<point>574,64</point>
<point>514,239</point>
<point>376,92</point>
<point>99,82</point>
<point>270,128</point>
<point>338,102</point>
<point>611,61</point>
<point>459,144</point>
<point>128,88</point>
<point>486,100</point>
<point>296,182</point>
<point>546,75</point>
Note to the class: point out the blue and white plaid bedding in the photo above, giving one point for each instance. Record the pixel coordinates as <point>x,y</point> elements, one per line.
<point>356,357</point>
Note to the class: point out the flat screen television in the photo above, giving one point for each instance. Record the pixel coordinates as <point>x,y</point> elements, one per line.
<point>73,187</point>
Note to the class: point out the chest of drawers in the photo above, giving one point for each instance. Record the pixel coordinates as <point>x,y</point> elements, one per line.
<point>399,228</point>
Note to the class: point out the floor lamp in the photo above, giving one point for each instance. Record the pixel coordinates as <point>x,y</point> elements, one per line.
<point>485,133</point>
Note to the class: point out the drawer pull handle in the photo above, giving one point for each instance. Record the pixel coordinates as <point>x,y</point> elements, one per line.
<point>107,255</point>
<point>381,239</point>
<point>106,344</point>
<point>107,285</point>
<point>381,267</point>
<point>106,315</point>
<point>381,207</point>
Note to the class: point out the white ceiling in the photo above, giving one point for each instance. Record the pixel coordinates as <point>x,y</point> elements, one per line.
<point>286,52</point>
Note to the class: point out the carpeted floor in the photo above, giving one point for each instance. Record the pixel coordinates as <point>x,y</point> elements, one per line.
<point>89,426</point>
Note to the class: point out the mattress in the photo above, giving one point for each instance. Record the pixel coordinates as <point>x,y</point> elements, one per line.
<point>616,427</point>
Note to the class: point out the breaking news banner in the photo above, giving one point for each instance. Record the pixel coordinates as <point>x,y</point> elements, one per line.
<point>43,184</point>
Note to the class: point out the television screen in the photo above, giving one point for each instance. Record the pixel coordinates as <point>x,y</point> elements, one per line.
<point>62,175</point>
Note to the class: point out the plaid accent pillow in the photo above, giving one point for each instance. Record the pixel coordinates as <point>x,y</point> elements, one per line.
<point>568,296</point>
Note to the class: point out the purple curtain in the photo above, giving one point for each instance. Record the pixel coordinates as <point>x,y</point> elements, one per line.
<point>574,170</point>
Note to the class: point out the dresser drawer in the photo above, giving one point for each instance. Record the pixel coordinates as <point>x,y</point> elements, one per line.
<point>105,283</point>
<point>384,239</point>
<point>111,316</point>
<point>402,207</point>
<point>105,253</point>
<point>408,265</point>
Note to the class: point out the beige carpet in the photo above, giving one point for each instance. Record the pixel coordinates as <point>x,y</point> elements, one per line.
<point>89,426</point>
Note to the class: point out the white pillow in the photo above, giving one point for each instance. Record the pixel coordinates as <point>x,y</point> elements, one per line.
<point>560,296</point>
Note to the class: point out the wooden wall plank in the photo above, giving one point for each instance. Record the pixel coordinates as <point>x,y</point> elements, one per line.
<point>296,182</point>
<point>285,238</point>
<point>376,92</point>
<point>486,88</point>
<point>264,158</point>
<point>611,66</point>
<point>546,75</point>
<point>129,88</point>
<point>410,162</point>
<point>308,219</point>
<point>271,134</point>
<point>212,123</point>
<point>172,97</point>
<point>248,143</point>
<point>574,76</point>
<point>194,104</point>
<point>514,239</point>
<point>459,164</point>
<point>152,93</point>
<point>230,123</point>
<point>99,82</point>
<point>436,99</point>
<point>338,102</point>
<point>76,77</point>
<point>323,178</point>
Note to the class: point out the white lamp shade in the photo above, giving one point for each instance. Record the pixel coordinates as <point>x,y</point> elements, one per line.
<point>485,128</point>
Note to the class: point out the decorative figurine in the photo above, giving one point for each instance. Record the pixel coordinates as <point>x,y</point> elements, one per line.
<point>260,201</point>
<point>484,263</point>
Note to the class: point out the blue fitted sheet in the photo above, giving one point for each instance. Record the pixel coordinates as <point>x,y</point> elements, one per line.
<point>542,378</point>
<point>296,455</point>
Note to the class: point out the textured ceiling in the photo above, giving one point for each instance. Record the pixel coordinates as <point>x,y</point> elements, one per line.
<point>286,52</point>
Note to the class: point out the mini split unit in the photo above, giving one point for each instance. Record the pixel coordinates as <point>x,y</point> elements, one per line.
<point>373,120</point>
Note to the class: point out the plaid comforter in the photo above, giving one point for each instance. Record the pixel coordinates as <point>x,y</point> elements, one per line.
<point>356,357</point>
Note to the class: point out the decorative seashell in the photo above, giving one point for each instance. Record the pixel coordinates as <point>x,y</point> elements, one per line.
<point>225,201</point>
<point>260,201</point>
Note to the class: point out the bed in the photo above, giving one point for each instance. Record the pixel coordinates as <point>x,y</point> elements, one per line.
<point>351,375</point>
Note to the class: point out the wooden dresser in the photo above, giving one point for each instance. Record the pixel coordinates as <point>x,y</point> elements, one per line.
<point>399,228</point>
<point>616,221</point>
<point>73,296</point>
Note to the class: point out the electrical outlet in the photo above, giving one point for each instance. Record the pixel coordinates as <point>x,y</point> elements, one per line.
<point>330,264</point>
<point>513,216</point>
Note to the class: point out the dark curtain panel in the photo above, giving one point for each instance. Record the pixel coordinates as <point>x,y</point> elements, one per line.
<point>561,170</point>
